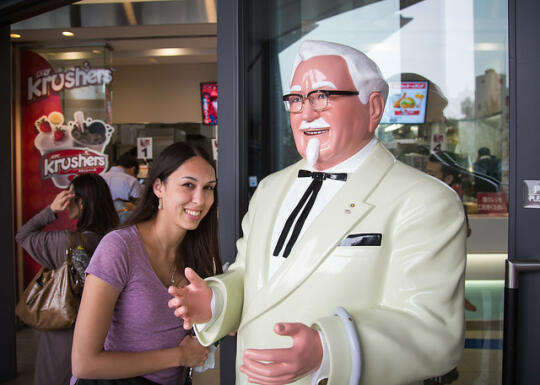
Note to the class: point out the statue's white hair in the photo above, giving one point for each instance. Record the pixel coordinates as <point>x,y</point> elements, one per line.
<point>365,74</point>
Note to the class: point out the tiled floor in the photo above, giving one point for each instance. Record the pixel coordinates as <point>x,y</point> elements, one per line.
<point>481,366</point>
<point>472,360</point>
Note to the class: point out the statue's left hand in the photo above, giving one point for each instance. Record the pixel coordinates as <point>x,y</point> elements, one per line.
<point>283,366</point>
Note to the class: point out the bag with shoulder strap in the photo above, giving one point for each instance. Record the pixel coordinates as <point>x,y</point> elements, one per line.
<point>51,300</point>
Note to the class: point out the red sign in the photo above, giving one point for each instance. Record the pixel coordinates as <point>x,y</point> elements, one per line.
<point>492,203</point>
<point>72,161</point>
<point>54,148</point>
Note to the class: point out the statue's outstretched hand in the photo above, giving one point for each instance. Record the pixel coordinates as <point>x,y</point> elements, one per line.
<point>192,302</point>
<point>283,366</point>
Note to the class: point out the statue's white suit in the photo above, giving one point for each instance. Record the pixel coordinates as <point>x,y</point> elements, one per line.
<point>405,295</point>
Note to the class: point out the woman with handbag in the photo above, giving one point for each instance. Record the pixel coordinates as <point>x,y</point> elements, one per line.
<point>125,332</point>
<point>88,199</point>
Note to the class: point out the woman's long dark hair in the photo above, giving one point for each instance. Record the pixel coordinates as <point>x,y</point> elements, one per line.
<point>200,248</point>
<point>98,213</point>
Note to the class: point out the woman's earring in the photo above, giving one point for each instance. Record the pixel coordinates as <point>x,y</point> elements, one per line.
<point>160,204</point>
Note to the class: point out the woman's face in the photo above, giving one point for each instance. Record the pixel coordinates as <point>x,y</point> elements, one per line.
<point>75,206</point>
<point>188,193</point>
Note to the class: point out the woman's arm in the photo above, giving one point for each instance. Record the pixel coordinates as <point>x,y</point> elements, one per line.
<point>89,360</point>
<point>46,247</point>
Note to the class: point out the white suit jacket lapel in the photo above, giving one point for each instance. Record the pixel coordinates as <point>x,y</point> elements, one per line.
<point>259,246</point>
<point>347,208</point>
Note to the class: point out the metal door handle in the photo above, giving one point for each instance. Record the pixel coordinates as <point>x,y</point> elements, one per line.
<point>510,322</point>
<point>513,268</point>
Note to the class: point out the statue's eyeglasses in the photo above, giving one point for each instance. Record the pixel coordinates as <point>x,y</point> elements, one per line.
<point>318,99</point>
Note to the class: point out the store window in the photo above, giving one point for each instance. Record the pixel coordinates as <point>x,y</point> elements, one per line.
<point>94,81</point>
<point>446,63</point>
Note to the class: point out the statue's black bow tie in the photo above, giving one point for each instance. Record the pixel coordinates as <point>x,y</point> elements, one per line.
<point>322,175</point>
<point>307,201</point>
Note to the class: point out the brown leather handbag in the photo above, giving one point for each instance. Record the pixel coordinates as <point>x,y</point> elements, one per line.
<point>51,301</point>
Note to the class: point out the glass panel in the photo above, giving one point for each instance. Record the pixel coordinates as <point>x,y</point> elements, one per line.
<point>447,114</point>
<point>97,13</point>
<point>95,100</point>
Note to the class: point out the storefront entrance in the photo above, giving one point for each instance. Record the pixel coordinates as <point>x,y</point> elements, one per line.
<point>478,62</point>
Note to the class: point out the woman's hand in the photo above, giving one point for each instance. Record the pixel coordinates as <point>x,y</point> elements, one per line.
<point>193,353</point>
<point>61,201</point>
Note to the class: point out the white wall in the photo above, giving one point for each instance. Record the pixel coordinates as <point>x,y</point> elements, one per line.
<point>160,93</point>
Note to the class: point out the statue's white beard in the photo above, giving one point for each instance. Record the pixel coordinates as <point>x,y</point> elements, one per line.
<point>312,151</point>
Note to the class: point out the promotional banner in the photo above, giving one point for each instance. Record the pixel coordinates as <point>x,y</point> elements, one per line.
<point>55,148</point>
<point>406,103</point>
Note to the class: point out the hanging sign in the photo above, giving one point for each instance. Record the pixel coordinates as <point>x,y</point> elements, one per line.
<point>438,142</point>
<point>144,148</point>
<point>214,148</point>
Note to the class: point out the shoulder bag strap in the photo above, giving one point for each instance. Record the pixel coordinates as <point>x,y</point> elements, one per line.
<point>69,250</point>
<point>81,239</point>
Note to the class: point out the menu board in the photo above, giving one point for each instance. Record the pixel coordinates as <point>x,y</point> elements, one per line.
<point>406,103</point>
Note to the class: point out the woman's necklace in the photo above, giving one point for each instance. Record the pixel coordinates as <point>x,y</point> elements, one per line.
<point>172,268</point>
<point>172,281</point>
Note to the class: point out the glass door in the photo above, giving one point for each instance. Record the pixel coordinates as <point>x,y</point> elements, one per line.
<point>447,114</point>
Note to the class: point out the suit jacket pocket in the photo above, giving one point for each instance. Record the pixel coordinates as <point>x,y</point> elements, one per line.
<point>373,239</point>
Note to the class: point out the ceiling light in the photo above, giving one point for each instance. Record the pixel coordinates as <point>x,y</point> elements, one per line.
<point>68,33</point>
<point>168,52</point>
<point>178,51</point>
<point>15,36</point>
<point>489,47</point>
<point>73,55</point>
<point>96,51</point>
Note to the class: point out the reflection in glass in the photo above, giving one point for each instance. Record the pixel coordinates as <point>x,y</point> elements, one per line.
<point>456,126</point>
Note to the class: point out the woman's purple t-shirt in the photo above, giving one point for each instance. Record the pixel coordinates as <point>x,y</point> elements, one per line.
<point>141,319</point>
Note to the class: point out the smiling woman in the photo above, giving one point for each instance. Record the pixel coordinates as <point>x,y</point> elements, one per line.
<point>173,227</point>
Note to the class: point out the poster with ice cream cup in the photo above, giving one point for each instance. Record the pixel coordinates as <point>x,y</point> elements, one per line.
<point>90,133</point>
<point>72,148</point>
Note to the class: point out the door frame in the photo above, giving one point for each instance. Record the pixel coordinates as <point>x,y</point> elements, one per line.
<point>521,338</point>
<point>232,194</point>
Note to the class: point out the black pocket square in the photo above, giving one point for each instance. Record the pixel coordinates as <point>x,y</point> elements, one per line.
<point>362,240</point>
